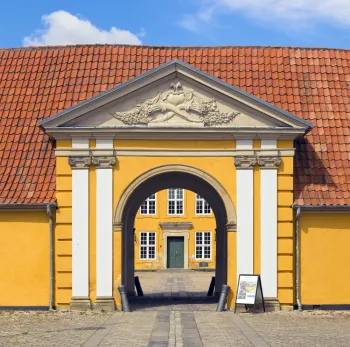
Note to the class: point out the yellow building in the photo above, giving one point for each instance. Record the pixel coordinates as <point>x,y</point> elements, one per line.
<point>110,157</point>
<point>175,228</point>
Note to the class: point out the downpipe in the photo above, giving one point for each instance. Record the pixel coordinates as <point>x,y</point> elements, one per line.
<point>297,258</point>
<point>49,213</point>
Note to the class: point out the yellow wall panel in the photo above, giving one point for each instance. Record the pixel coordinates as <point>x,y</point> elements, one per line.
<point>285,144</point>
<point>285,214</point>
<point>63,247</point>
<point>285,182</point>
<point>62,166</point>
<point>64,144</point>
<point>285,229</point>
<point>285,198</point>
<point>64,279</point>
<point>64,215</point>
<point>325,258</point>
<point>63,231</point>
<point>285,262</point>
<point>64,199</point>
<point>286,296</point>
<point>63,296</point>
<point>64,263</point>
<point>63,183</point>
<point>24,249</point>
<point>285,246</point>
<point>286,167</point>
<point>285,280</point>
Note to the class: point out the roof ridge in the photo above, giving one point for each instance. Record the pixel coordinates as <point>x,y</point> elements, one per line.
<point>34,48</point>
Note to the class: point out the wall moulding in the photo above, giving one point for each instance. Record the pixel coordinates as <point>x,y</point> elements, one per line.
<point>261,153</point>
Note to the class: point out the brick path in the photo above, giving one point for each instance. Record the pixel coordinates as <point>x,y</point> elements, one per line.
<point>175,325</point>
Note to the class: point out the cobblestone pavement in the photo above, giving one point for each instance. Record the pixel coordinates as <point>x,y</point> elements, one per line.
<point>178,319</point>
<point>175,329</point>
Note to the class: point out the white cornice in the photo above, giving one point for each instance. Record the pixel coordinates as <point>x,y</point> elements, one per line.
<point>122,152</point>
<point>139,133</point>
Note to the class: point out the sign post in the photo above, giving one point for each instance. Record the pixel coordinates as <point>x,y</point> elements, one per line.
<point>249,292</point>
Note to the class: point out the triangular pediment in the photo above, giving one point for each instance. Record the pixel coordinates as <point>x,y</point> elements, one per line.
<point>175,96</point>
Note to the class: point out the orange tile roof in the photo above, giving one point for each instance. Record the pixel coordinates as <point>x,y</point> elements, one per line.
<point>36,83</point>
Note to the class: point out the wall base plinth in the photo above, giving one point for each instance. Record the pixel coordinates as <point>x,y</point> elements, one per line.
<point>80,303</point>
<point>105,303</point>
<point>272,304</point>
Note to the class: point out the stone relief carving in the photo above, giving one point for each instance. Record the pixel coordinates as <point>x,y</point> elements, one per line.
<point>245,162</point>
<point>269,162</point>
<point>176,101</point>
<point>79,162</point>
<point>103,162</point>
<point>248,162</point>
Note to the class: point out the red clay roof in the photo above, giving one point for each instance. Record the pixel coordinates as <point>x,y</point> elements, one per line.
<point>36,83</point>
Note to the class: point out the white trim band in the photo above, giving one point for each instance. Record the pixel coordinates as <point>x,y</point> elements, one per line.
<point>80,227</point>
<point>268,203</point>
<point>245,215</point>
<point>104,225</point>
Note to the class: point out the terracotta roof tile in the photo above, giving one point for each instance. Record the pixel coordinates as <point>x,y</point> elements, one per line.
<point>36,83</point>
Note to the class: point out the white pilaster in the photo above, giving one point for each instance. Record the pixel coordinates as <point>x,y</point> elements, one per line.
<point>104,224</point>
<point>268,208</point>
<point>80,226</point>
<point>245,214</point>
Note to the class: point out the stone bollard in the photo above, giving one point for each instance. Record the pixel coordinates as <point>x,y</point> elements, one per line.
<point>124,297</point>
<point>223,298</point>
<point>211,287</point>
<point>138,286</point>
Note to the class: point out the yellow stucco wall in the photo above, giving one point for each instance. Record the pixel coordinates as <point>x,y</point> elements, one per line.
<point>151,223</point>
<point>285,243</point>
<point>24,254</point>
<point>325,258</point>
<point>63,230</point>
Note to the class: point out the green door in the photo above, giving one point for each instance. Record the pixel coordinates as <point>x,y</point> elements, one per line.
<point>175,252</point>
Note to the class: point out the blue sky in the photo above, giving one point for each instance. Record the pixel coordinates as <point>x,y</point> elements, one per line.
<point>312,23</point>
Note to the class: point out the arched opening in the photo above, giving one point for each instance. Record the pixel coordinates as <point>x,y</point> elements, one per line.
<point>175,176</point>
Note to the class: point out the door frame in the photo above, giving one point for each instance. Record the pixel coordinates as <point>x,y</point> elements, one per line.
<point>179,229</point>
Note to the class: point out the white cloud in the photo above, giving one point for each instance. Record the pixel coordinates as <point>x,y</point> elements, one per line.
<point>292,13</point>
<point>196,22</point>
<point>336,11</point>
<point>63,28</point>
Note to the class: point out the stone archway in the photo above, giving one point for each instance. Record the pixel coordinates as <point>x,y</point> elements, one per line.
<point>174,176</point>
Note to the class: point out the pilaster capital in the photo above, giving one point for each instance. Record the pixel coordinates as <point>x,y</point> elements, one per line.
<point>105,162</point>
<point>245,162</point>
<point>269,162</point>
<point>79,162</point>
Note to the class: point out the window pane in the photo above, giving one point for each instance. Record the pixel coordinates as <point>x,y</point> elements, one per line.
<point>179,193</point>
<point>199,238</point>
<point>144,207</point>
<point>143,238</point>
<point>152,207</point>
<point>207,238</point>
<point>199,208</point>
<point>152,252</point>
<point>179,209</point>
<point>206,252</point>
<point>207,209</point>
<point>199,253</point>
<point>171,193</point>
<point>152,238</point>
<point>171,209</point>
<point>143,252</point>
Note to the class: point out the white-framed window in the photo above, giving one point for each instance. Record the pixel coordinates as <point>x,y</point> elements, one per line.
<point>147,245</point>
<point>203,245</point>
<point>148,207</point>
<point>202,207</point>
<point>176,201</point>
